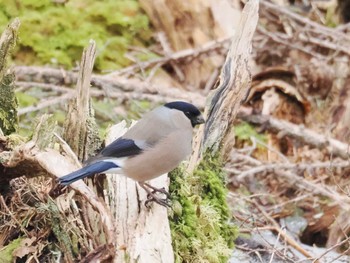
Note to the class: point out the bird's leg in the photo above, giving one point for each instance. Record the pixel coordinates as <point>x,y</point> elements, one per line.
<point>151,195</point>
<point>158,190</point>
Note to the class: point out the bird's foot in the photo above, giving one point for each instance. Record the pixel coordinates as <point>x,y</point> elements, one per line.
<point>157,190</point>
<point>153,198</point>
<point>152,195</point>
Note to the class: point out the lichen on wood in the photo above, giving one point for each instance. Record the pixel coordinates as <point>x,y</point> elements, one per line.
<point>8,101</point>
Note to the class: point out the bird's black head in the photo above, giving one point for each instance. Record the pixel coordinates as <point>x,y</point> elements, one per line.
<point>189,110</point>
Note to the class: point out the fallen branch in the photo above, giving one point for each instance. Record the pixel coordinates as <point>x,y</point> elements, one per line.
<point>307,23</point>
<point>287,42</point>
<point>117,86</point>
<point>168,95</point>
<point>333,146</point>
<point>187,54</point>
<point>288,166</point>
<point>293,179</point>
<point>282,233</point>
<point>47,102</point>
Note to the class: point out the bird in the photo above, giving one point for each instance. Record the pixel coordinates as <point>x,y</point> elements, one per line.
<point>155,145</point>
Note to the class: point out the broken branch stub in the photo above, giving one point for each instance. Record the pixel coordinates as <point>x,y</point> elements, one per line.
<point>80,128</point>
<point>234,83</point>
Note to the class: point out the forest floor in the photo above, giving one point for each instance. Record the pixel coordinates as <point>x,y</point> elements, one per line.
<point>288,170</point>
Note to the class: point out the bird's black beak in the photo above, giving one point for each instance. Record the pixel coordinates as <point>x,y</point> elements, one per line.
<point>198,120</point>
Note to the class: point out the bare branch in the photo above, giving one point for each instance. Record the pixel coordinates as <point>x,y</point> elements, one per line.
<point>301,133</point>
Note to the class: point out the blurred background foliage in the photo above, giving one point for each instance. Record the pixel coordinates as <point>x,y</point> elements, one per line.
<point>55,32</point>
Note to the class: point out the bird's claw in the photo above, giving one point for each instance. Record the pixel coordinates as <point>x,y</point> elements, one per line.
<point>152,195</point>
<point>159,190</point>
<point>160,201</point>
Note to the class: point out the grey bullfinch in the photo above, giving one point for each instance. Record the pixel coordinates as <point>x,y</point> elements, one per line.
<point>155,145</point>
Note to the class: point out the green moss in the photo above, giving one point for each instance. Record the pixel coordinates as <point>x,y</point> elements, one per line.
<point>200,223</point>
<point>8,101</point>
<point>57,33</point>
<point>57,222</point>
<point>8,105</point>
<point>332,18</point>
<point>244,131</point>
<point>6,252</point>
<point>25,99</point>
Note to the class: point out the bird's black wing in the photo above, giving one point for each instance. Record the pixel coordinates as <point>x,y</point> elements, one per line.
<point>121,148</point>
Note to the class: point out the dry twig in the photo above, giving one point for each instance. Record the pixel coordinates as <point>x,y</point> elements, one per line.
<point>187,54</point>
<point>333,146</point>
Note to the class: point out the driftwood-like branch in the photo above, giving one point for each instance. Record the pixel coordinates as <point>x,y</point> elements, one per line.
<point>286,170</point>
<point>316,27</point>
<point>235,79</point>
<point>288,166</point>
<point>301,133</point>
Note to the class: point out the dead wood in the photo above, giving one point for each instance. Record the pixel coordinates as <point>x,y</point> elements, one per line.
<point>116,87</point>
<point>82,136</point>
<point>333,146</point>
<point>233,86</point>
<point>37,158</point>
<point>181,56</point>
<point>80,129</point>
<point>290,240</point>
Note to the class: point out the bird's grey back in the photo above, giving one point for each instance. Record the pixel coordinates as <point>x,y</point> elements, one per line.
<point>156,125</point>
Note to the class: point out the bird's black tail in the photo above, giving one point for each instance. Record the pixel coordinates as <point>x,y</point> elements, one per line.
<point>86,171</point>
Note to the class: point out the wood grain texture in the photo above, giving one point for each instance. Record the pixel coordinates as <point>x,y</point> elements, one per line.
<point>80,130</point>
<point>232,88</point>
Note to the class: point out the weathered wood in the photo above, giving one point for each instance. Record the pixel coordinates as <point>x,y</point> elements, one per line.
<point>81,131</point>
<point>81,134</point>
<point>234,83</point>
